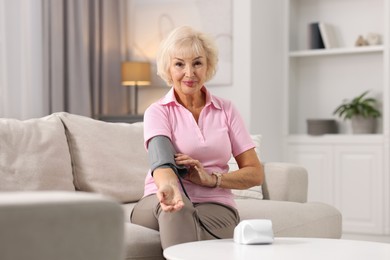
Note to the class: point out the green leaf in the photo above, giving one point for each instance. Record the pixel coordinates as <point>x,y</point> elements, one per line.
<point>360,105</point>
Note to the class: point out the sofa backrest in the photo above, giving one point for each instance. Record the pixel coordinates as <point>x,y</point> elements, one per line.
<point>64,151</point>
<point>107,158</point>
<point>34,155</point>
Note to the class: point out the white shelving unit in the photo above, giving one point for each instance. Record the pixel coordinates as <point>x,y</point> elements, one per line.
<point>348,171</point>
<point>336,51</point>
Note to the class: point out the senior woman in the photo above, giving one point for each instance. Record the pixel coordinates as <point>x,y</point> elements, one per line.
<point>190,135</point>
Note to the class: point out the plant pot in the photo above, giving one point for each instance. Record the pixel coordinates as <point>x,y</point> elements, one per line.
<point>363,125</point>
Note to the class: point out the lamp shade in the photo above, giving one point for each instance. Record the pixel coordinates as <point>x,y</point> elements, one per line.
<point>135,73</point>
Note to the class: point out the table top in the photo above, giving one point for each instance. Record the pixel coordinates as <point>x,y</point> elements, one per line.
<point>281,249</point>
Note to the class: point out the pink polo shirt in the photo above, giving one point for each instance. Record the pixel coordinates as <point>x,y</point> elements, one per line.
<point>219,133</point>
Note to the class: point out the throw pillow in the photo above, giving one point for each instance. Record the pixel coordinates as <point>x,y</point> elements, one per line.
<point>108,158</point>
<point>34,155</point>
<point>256,191</point>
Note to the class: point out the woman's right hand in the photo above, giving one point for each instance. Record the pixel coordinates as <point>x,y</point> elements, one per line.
<point>170,197</point>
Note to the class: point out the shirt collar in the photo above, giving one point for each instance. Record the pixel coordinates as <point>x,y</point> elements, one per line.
<point>170,98</point>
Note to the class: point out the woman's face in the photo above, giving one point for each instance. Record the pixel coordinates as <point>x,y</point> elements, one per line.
<point>188,73</point>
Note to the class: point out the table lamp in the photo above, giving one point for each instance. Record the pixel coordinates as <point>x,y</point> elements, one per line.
<point>135,74</point>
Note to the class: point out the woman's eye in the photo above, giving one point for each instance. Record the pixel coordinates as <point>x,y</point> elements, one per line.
<point>197,63</point>
<point>179,64</point>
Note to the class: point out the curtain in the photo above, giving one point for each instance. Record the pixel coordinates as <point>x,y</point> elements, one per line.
<point>20,59</point>
<point>82,54</point>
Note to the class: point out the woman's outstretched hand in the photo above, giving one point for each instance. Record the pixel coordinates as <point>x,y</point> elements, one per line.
<point>196,172</point>
<point>170,198</point>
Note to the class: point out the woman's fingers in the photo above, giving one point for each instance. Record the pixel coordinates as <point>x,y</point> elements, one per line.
<point>170,199</point>
<point>183,159</point>
<point>178,205</point>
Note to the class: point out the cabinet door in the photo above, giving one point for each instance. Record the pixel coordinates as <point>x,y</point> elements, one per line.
<point>317,159</point>
<point>359,187</point>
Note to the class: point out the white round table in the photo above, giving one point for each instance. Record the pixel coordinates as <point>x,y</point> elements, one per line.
<point>281,249</point>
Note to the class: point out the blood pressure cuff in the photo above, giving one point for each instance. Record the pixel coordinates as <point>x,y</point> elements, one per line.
<point>161,154</point>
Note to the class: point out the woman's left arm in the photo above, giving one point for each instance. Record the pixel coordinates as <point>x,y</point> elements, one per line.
<point>249,174</point>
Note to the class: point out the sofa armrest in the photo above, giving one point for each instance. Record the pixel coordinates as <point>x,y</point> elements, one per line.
<point>285,181</point>
<point>46,225</point>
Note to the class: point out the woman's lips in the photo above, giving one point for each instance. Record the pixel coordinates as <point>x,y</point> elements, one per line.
<point>189,83</point>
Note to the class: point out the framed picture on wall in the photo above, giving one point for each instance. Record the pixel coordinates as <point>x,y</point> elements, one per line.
<point>150,21</point>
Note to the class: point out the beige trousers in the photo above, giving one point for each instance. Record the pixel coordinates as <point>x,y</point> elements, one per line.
<point>194,222</point>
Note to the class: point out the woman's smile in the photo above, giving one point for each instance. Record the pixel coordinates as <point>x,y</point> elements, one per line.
<point>189,83</point>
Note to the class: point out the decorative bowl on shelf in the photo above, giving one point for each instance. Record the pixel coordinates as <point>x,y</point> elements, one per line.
<point>321,126</point>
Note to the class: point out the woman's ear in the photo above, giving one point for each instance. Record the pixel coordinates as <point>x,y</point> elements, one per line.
<point>170,81</point>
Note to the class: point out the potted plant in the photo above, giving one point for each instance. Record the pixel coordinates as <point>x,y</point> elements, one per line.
<point>362,112</point>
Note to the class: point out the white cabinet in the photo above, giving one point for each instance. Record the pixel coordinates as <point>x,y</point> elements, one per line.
<point>359,187</point>
<point>317,159</point>
<point>348,171</point>
<point>348,175</point>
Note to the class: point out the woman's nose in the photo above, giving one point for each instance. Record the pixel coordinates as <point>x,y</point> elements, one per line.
<point>189,71</point>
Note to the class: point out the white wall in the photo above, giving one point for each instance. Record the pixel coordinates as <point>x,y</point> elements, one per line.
<point>258,70</point>
<point>239,92</point>
<point>267,76</point>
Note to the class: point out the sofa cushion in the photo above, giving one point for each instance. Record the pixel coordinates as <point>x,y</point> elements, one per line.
<point>108,158</point>
<point>34,155</point>
<point>142,243</point>
<point>294,219</point>
<point>253,192</point>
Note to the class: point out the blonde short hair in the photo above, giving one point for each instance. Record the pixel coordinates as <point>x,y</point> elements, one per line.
<point>186,41</point>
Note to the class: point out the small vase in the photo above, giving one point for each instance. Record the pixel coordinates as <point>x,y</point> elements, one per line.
<point>363,125</point>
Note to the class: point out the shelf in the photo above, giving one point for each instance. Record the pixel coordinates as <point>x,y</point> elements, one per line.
<point>336,139</point>
<point>337,51</point>
<point>317,81</point>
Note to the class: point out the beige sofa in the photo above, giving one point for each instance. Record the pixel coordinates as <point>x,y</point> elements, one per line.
<point>66,153</point>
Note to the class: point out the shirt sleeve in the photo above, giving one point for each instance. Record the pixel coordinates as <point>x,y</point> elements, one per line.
<point>240,138</point>
<point>156,122</point>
